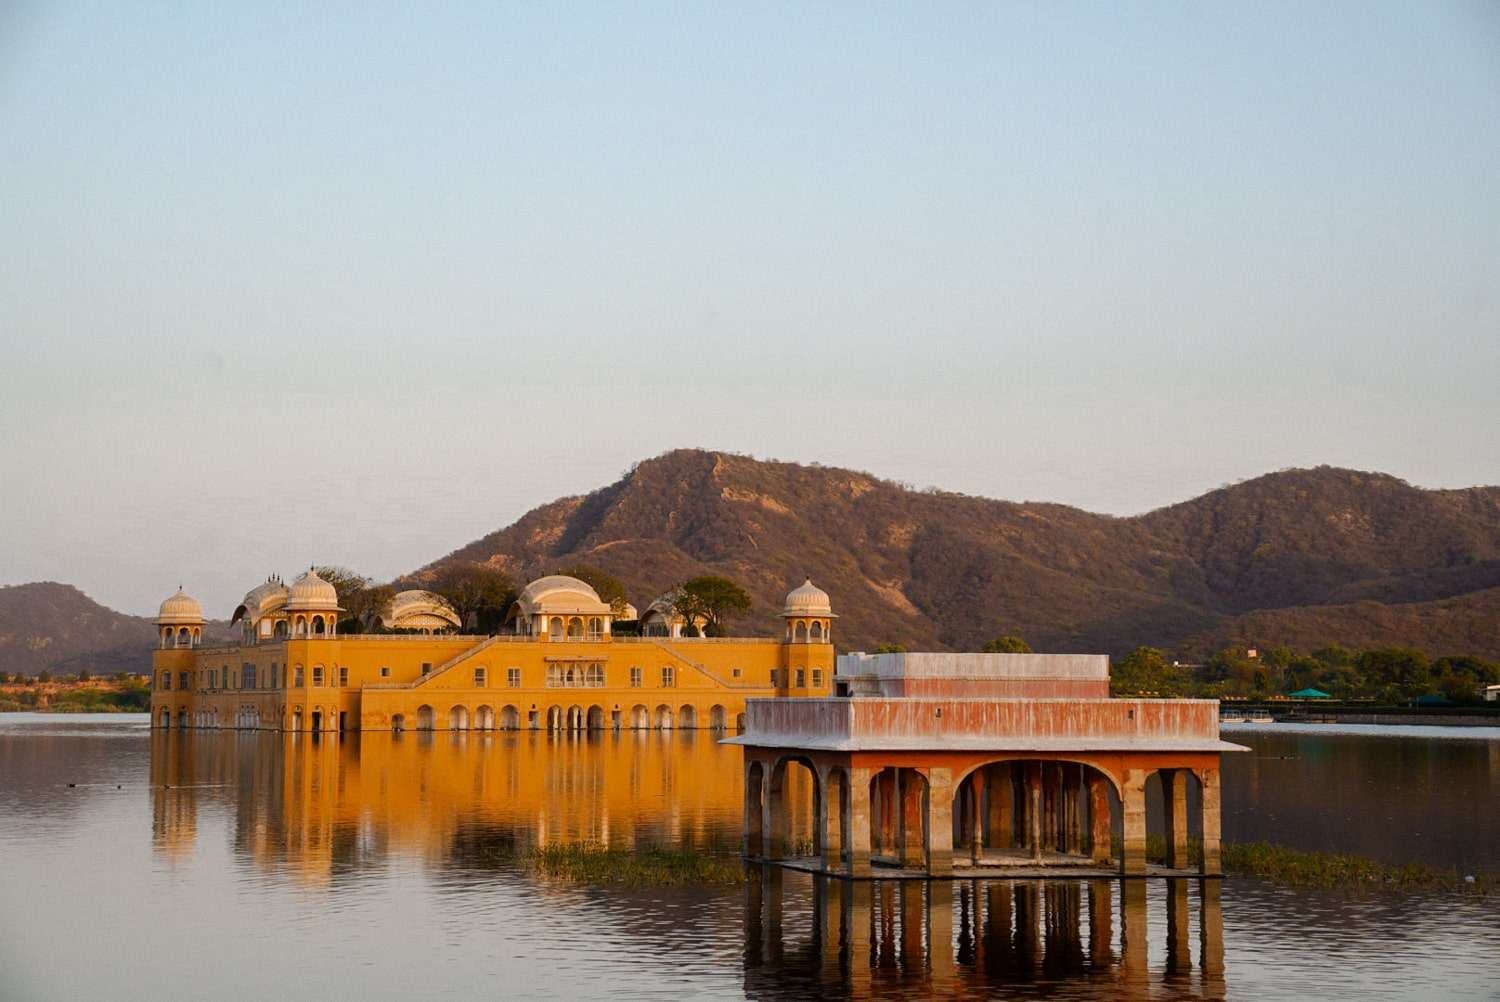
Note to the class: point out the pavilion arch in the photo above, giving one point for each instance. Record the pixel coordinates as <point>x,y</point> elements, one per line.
<point>596,718</point>
<point>1013,807</point>
<point>458,718</point>
<point>899,810</point>
<point>555,628</point>
<point>318,627</point>
<point>484,718</point>
<point>640,718</point>
<point>815,635</point>
<point>663,718</point>
<point>398,722</point>
<point>510,718</point>
<point>425,718</point>
<point>575,718</point>
<point>778,818</point>
<point>575,628</point>
<point>687,716</point>
<point>717,717</point>
<point>801,634</point>
<point>555,718</point>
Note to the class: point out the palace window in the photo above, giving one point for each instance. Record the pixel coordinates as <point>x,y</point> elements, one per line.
<point>513,677</point>
<point>595,679</point>
<point>635,676</point>
<point>317,675</point>
<point>385,671</point>
<point>554,676</point>
<point>213,679</point>
<point>247,676</point>
<point>667,676</point>
<point>343,676</point>
<point>299,679</point>
<point>817,678</point>
<point>274,675</point>
<point>166,681</point>
<point>735,672</point>
<point>801,677</point>
<point>480,680</point>
<point>426,667</point>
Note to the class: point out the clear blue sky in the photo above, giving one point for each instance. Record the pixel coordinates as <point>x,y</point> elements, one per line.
<point>354,285</point>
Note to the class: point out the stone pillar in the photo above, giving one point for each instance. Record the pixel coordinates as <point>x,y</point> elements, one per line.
<point>776,823</point>
<point>940,822</point>
<point>975,820</point>
<point>857,824</point>
<point>1099,816</point>
<point>1211,865</point>
<point>820,814</point>
<point>1072,803</point>
<point>754,809</point>
<point>1050,782</point>
<point>1002,803</point>
<point>1174,783</point>
<point>910,819</point>
<point>1034,809</point>
<point>834,786</point>
<point>1133,835</point>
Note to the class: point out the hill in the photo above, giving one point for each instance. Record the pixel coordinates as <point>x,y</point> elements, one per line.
<point>46,626</point>
<point>1302,556</point>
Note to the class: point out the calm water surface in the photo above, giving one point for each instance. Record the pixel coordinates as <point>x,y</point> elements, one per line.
<point>251,865</point>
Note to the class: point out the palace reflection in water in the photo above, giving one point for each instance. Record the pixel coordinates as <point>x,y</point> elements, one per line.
<point>1082,938</point>
<point>320,809</point>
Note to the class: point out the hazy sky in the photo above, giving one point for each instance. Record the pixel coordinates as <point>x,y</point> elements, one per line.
<point>281,285</point>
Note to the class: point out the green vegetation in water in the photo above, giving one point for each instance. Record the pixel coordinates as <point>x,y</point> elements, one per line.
<point>1290,867</point>
<point>657,866</point>
<point>124,698</point>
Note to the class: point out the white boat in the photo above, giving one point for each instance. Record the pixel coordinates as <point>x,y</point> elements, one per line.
<point>1232,718</point>
<point>1260,717</point>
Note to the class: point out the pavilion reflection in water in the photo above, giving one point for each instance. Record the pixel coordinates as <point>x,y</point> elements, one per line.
<point>1080,938</point>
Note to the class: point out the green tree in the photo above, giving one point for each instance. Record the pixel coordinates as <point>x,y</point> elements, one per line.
<point>891,649</point>
<point>610,588</point>
<point>1007,644</point>
<point>1144,671</point>
<point>479,594</point>
<point>1402,667</point>
<point>710,599</point>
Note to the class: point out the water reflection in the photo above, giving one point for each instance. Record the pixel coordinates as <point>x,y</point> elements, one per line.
<point>1079,939</point>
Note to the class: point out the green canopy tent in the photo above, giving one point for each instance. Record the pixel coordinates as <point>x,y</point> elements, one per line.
<point>1309,694</point>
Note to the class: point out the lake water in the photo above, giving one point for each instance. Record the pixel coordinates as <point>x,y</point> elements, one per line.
<point>193,865</point>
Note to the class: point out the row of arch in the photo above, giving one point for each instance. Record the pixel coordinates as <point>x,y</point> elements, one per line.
<point>566,718</point>
<point>181,636</point>
<point>809,631</point>
<point>1009,811</point>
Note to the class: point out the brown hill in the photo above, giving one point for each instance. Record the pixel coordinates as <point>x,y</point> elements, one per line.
<point>1305,551</point>
<point>46,626</point>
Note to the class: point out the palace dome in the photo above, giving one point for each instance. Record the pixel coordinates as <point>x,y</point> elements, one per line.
<point>311,593</point>
<point>180,609</point>
<point>261,600</point>
<point>560,593</point>
<point>417,609</point>
<point>807,599</point>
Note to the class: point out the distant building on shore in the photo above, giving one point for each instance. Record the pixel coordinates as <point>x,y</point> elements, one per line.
<point>560,667</point>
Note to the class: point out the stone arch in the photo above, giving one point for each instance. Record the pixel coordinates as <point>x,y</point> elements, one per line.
<point>458,718</point>
<point>815,635</point>
<point>595,719</point>
<point>778,813</point>
<point>182,720</point>
<point>555,717</point>
<point>398,722</point>
<point>663,718</point>
<point>687,716</point>
<point>739,723</point>
<point>717,717</point>
<point>1036,807</point>
<point>166,717</point>
<point>484,718</point>
<point>510,718</point>
<point>318,626</point>
<point>640,718</point>
<point>575,718</point>
<point>596,627</point>
<point>800,636</point>
<point>425,718</point>
<point>575,628</point>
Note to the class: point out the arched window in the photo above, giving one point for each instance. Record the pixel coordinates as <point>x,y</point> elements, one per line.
<point>554,676</point>
<point>557,628</point>
<point>816,633</point>
<point>596,676</point>
<point>596,628</point>
<point>575,628</point>
<point>317,626</point>
<point>801,632</point>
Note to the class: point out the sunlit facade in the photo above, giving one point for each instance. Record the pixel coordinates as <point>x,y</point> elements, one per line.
<point>559,666</point>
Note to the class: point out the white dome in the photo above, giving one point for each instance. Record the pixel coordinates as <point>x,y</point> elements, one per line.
<point>807,600</point>
<point>180,609</point>
<point>562,594</point>
<point>312,593</point>
<point>260,601</point>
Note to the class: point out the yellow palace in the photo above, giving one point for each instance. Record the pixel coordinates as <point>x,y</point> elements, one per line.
<point>561,667</point>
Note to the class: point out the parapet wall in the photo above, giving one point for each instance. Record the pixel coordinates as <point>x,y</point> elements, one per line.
<point>1001,676</point>
<point>1018,724</point>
